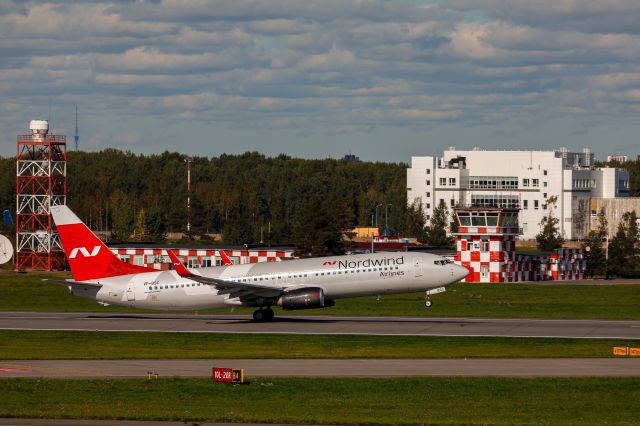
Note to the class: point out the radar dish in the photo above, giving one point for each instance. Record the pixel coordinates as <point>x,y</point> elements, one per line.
<point>6,250</point>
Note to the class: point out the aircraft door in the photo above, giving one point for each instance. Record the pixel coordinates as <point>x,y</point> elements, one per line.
<point>131,292</point>
<point>484,273</point>
<point>417,268</point>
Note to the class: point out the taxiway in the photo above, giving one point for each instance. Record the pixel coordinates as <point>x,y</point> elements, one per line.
<point>327,325</point>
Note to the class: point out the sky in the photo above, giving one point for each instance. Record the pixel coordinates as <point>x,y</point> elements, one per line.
<point>381,79</point>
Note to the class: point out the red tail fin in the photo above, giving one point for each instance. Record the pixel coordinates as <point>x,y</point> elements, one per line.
<point>88,257</point>
<point>225,259</point>
<point>178,266</point>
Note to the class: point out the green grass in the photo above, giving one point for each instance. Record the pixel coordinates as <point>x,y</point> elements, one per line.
<point>562,401</point>
<point>27,345</point>
<point>27,292</point>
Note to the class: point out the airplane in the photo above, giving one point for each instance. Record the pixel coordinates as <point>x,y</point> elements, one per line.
<point>311,283</point>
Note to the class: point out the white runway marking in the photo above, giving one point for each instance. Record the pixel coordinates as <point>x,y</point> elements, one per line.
<point>296,333</point>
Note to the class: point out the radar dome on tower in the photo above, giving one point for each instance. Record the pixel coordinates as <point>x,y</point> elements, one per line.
<point>39,128</point>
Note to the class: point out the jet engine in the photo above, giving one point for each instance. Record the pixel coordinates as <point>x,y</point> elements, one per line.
<point>304,298</point>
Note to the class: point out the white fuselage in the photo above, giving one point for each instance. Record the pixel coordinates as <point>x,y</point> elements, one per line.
<point>338,276</point>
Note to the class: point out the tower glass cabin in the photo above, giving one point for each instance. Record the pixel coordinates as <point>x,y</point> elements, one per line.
<point>485,240</point>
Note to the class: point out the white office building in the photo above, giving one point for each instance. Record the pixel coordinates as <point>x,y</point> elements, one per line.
<point>523,179</point>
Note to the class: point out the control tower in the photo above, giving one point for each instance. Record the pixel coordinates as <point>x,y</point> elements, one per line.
<point>41,182</point>
<point>486,242</point>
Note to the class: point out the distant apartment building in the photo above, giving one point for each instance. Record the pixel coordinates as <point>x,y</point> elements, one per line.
<point>516,179</point>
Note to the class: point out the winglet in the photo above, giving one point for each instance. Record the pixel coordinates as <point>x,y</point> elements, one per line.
<point>178,266</point>
<point>225,259</point>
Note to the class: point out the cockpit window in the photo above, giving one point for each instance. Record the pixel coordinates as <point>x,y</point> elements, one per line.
<point>441,262</point>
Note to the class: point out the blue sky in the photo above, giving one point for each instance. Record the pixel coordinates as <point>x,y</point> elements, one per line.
<point>315,78</point>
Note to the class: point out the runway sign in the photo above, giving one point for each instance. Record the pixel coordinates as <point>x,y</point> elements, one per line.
<point>634,351</point>
<point>227,375</point>
<point>620,350</point>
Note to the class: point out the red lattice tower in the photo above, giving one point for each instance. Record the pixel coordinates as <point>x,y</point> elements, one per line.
<point>41,182</point>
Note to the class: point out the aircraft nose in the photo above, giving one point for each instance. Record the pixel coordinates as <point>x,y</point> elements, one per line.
<point>460,272</point>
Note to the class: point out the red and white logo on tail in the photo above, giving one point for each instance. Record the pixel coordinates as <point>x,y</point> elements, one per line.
<point>88,257</point>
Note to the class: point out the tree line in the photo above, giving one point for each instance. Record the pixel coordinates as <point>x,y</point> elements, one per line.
<point>247,198</point>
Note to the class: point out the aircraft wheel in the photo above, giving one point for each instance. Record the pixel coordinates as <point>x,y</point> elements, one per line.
<point>258,315</point>
<point>428,303</point>
<point>269,314</point>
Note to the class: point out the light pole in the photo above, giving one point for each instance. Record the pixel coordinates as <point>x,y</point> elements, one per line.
<point>379,205</point>
<point>386,225</point>
<point>606,259</point>
<point>371,233</point>
<point>188,161</point>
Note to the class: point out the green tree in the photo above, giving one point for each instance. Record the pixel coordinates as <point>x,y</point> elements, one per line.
<point>549,237</point>
<point>141,233</point>
<point>416,222</point>
<point>623,254</point>
<point>156,227</point>
<point>319,229</point>
<point>436,232</point>
<point>593,245</point>
<point>122,227</point>
<point>581,218</point>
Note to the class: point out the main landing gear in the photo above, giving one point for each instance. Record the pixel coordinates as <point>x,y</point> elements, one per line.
<point>263,315</point>
<point>427,301</point>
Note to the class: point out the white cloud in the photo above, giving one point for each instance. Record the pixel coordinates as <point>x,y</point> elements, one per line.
<point>324,65</point>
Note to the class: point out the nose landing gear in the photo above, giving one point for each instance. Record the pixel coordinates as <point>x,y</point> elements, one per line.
<point>263,315</point>
<point>427,301</point>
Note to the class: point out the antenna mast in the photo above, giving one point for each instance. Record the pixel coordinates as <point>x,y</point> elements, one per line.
<point>76,136</point>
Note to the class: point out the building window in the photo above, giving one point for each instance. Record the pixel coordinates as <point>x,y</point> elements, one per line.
<point>428,217</point>
<point>544,195</point>
<point>428,182</point>
<point>453,202</point>
<point>441,200</point>
<point>525,183</point>
<point>443,181</point>
<point>492,182</point>
<point>428,205</point>
<point>192,262</point>
<point>485,245</point>
<point>452,181</point>
<point>428,194</point>
<point>535,183</point>
<point>504,201</point>
<point>544,172</point>
<point>206,262</point>
<point>535,204</point>
<point>138,259</point>
<point>544,184</point>
<point>428,171</point>
<point>525,204</point>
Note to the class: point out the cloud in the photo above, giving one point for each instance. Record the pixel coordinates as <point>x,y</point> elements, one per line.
<point>324,65</point>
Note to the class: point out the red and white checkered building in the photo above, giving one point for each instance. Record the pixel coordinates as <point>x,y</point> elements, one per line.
<point>155,256</point>
<point>486,246</point>
<point>486,242</point>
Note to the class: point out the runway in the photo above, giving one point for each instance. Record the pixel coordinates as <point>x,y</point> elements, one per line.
<point>326,325</point>
<point>113,369</point>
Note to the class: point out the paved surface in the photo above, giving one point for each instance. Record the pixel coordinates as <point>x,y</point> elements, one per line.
<point>70,422</point>
<point>332,325</point>
<point>592,367</point>
<point>326,368</point>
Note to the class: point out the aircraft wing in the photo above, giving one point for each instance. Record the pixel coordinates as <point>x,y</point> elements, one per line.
<point>218,283</point>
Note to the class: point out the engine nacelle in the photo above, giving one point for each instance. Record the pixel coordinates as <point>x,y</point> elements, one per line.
<point>304,298</point>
